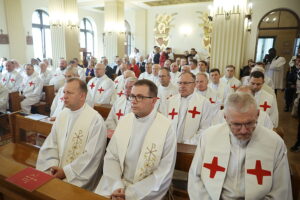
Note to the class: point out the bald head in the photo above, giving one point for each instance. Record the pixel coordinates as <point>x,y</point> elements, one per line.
<point>99,70</point>
<point>128,73</point>
<point>71,72</point>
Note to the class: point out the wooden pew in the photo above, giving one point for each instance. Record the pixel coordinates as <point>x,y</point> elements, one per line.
<point>14,102</point>
<point>295,178</point>
<point>43,107</point>
<point>88,78</point>
<point>185,154</point>
<point>54,189</point>
<point>103,110</point>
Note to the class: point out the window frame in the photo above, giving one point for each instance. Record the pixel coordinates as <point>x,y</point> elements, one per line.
<point>85,31</point>
<point>264,37</point>
<point>42,28</point>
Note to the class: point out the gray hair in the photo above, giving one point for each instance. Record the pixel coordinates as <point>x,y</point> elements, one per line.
<point>130,79</point>
<point>239,101</point>
<point>258,68</point>
<point>72,70</point>
<point>203,74</point>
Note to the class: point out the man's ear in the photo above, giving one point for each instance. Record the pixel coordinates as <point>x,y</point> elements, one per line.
<point>258,113</point>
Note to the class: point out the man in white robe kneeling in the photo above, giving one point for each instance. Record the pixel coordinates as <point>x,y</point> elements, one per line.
<point>140,157</point>
<point>240,159</point>
<point>75,148</point>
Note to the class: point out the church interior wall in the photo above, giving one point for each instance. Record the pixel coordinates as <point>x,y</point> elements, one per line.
<point>260,8</point>
<point>97,20</point>
<point>4,48</point>
<point>186,17</point>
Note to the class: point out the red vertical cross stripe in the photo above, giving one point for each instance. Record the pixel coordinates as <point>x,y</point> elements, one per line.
<point>173,113</point>
<point>119,114</point>
<point>265,106</point>
<point>259,172</point>
<point>214,167</point>
<point>194,112</point>
<point>100,90</point>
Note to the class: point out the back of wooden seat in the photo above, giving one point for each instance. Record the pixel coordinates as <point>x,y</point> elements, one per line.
<point>14,102</point>
<point>103,110</point>
<point>49,94</point>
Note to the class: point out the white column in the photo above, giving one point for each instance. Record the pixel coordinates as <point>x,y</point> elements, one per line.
<point>114,29</point>
<point>64,29</point>
<point>229,34</point>
<point>15,30</point>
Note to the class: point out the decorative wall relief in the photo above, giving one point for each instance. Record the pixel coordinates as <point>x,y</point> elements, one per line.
<point>162,29</point>
<point>206,26</point>
<point>3,38</point>
<point>29,39</point>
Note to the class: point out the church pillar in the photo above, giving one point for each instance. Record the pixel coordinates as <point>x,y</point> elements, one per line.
<point>64,29</point>
<point>114,29</point>
<point>229,34</point>
<point>15,30</point>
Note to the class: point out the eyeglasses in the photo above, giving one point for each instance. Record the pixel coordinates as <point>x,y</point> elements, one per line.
<point>138,98</point>
<point>238,126</point>
<point>184,83</point>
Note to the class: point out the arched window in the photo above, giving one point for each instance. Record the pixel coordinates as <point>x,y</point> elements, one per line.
<point>87,35</point>
<point>41,34</point>
<point>127,38</point>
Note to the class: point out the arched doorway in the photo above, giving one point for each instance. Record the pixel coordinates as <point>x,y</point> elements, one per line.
<point>278,28</point>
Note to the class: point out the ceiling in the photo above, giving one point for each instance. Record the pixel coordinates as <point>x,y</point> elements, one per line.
<point>98,5</point>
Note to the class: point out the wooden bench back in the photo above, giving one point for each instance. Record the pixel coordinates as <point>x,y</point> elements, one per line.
<point>185,154</point>
<point>103,110</point>
<point>49,94</point>
<point>14,102</point>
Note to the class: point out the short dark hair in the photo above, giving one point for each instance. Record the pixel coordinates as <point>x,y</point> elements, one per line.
<point>152,87</point>
<point>166,69</point>
<point>82,85</point>
<point>230,66</point>
<point>194,61</point>
<point>203,61</point>
<point>190,73</point>
<point>298,56</point>
<point>215,70</point>
<point>257,74</point>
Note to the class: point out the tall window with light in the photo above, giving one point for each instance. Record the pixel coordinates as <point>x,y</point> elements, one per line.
<point>87,35</point>
<point>41,34</point>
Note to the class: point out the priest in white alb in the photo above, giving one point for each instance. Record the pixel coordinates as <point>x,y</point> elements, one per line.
<point>240,159</point>
<point>229,77</point>
<point>58,103</point>
<point>263,118</point>
<point>174,73</point>
<point>209,93</point>
<point>215,83</point>
<point>140,157</point>
<point>264,100</point>
<point>3,98</point>
<point>190,112</point>
<point>166,89</point>
<point>11,79</point>
<point>58,79</point>
<point>148,72</point>
<point>74,149</point>
<point>120,108</point>
<point>101,87</point>
<point>30,89</point>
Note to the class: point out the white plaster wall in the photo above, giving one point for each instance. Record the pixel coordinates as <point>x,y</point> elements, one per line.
<point>97,20</point>
<point>28,7</point>
<point>187,16</point>
<point>4,48</point>
<point>260,8</point>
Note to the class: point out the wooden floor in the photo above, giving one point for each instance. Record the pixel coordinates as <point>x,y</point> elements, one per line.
<point>289,125</point>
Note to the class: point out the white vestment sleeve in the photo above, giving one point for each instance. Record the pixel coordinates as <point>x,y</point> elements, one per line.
<point>111,121</point>
<point>36,93</point>
<point>83,169</point>
<point>112,174</point>
<point>281,187</point>
<point>274,115</point>
<point>107,94</point>
<point>196,188</point>
<point>18,83</point>
<point>48,154</point>
<point>277,64</point>
<point>156,185</point>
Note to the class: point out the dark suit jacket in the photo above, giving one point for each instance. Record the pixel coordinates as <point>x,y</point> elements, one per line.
<point>115,70</point>
<point>142,66</point>
<point>109,72</point>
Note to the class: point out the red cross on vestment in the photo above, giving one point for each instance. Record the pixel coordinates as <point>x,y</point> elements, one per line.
<point>12,80</point>
<point>211,101</point>
<point>194,112</point>
<point>265,106</point>
<point>119,114</point>
<point>92,86</point>
<point>233,87</point>
<point>116,81</point>
<point>120,93</point>
<point>3,79</point>
<point>259,172</point>
<point>31,83</point>
<point>100,90</point>
<point>173,113</point>
<point>213,167</point>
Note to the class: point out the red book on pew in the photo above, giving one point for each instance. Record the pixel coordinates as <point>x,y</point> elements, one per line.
<point>29,179</point>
